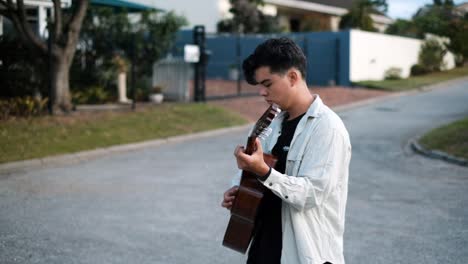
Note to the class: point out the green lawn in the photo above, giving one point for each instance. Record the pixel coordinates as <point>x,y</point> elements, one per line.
<point>452,138</point>
<point>44,136</point>
<point>415,82</point>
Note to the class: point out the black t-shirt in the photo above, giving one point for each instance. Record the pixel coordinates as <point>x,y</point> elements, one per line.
<point>267,242</point>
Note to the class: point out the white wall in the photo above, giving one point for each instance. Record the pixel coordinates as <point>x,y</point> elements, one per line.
<point>200,12</point>
<point>371,54</point>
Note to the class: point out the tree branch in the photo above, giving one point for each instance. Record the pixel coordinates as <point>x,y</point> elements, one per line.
<point>10,4</point>
<point>74,27</point>
<point>6,14</point>
<point>58,19</point>
<point>18,17</point>
<point>4,4</point>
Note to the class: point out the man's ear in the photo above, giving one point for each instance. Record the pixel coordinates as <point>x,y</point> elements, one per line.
<point>293,76</point>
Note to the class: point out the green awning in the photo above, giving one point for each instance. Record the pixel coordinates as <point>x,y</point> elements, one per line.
<point>129,5</point>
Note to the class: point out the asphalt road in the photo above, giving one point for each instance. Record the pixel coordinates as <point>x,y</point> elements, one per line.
<point>161,205</point>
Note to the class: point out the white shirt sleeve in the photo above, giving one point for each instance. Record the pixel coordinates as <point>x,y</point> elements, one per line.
<point>318,174</point>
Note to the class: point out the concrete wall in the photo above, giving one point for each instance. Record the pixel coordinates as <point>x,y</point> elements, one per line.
<point>371,54</point>
<point>327,54</point>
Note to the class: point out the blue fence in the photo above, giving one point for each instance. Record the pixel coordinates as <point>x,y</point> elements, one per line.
<point>327,54</point>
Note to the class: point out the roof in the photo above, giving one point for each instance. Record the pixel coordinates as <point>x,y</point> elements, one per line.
<point>130,5</point>
<point>338,3</point>
<point>332,7</point>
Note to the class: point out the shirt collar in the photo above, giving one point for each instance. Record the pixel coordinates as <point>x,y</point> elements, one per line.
<point>316,107</point>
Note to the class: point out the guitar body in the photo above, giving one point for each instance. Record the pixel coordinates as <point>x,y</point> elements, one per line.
<point>245,207</point>
<point>244,210</point>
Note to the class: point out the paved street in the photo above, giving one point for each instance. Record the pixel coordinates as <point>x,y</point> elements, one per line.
<point>161,205</point>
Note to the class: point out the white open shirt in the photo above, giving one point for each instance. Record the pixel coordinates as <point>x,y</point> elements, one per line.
<point>314,188</point>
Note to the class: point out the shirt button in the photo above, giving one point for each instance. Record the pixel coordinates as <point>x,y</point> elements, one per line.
<point>286,197</point>
<point>270,184</point>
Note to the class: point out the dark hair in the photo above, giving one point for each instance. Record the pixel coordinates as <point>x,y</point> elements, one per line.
<point>280,54</point>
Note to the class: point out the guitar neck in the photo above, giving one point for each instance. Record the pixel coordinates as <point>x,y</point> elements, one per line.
<point>250,146</point>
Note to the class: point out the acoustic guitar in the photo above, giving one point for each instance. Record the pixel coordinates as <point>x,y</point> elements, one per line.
<point>244,209</point>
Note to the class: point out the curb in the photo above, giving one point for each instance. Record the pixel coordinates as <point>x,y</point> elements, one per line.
<point>427,88</point>
<point>73,158</point>
<point>436,154</point>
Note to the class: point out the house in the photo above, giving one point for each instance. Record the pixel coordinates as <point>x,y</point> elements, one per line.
<point>462,9</point>
<point>294,15</point>
<point>318,15</point>
<point>38,11</point>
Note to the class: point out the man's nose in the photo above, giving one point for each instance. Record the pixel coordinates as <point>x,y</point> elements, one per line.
<point>263,91</point>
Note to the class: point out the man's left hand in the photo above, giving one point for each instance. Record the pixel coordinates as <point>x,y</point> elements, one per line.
<point>253,163</point>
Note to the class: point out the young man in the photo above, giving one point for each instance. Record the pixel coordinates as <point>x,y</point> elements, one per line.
<point>302,216</point>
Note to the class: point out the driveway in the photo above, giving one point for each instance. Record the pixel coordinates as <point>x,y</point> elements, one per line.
<point>161,205</point>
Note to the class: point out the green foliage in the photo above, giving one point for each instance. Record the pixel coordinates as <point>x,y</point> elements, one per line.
<point>107,34</point>
<point>431,55</point>
<point>442,19</point>
<point>92,95</point>
<point>418,69</point>
<point>393,73</point>
<point>248,19</point>
<point>358,15</point>
<point>21,74</point>
<point>458,34</point>
<point>415,81</point>
<point>451,138</point>
<point>433,19</point>
<point>22,106</point>
<point>44,136</point>
<point>404,28</point>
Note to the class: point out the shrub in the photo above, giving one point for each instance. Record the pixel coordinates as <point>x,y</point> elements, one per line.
<point>21,74</point>
<point>22,106</point>
<point>91,95</point>
<point>417,69</point>
<point>431,55</point>
<point>393,73</point>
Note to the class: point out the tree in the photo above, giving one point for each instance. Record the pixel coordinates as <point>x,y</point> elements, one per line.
<point>247,18</point>
<point>144,39</point>
<point>405,28</point>
<point>358,15</point>
<point>441,19</point>
<point>64,30</point>
<point>431,56</point>
<point>434,18</point>
<point>458,34</point>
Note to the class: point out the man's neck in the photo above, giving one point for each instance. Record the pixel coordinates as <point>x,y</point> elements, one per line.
<point>302,103</point>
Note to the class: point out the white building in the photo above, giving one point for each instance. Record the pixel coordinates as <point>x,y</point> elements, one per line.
<point>37,12</point>
<point>294,15</point>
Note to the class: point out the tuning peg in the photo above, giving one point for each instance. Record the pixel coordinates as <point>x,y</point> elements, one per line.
<point>265,133</point>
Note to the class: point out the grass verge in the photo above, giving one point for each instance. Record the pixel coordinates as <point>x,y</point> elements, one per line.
<point>452,139</point>
<point>22,139</point>
<point>416,81</point>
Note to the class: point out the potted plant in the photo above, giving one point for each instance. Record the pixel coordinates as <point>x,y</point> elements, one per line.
<point>156,94</point>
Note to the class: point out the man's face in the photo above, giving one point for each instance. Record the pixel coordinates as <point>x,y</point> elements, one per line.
<point>274,87</point>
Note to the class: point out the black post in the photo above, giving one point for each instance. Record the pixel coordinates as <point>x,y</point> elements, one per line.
<point>132,70</point>
<point>337,62</point>
<point>50,104</point>
<point>200,66</point>
<point>238,62</point>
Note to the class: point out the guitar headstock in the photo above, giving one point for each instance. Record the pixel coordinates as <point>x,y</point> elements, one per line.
<point>261,126</point>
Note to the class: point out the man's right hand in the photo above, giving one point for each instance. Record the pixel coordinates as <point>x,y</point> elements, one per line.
<point>229,197</point>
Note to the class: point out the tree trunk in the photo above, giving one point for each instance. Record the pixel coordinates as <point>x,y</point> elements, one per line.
<point>61,85</point>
